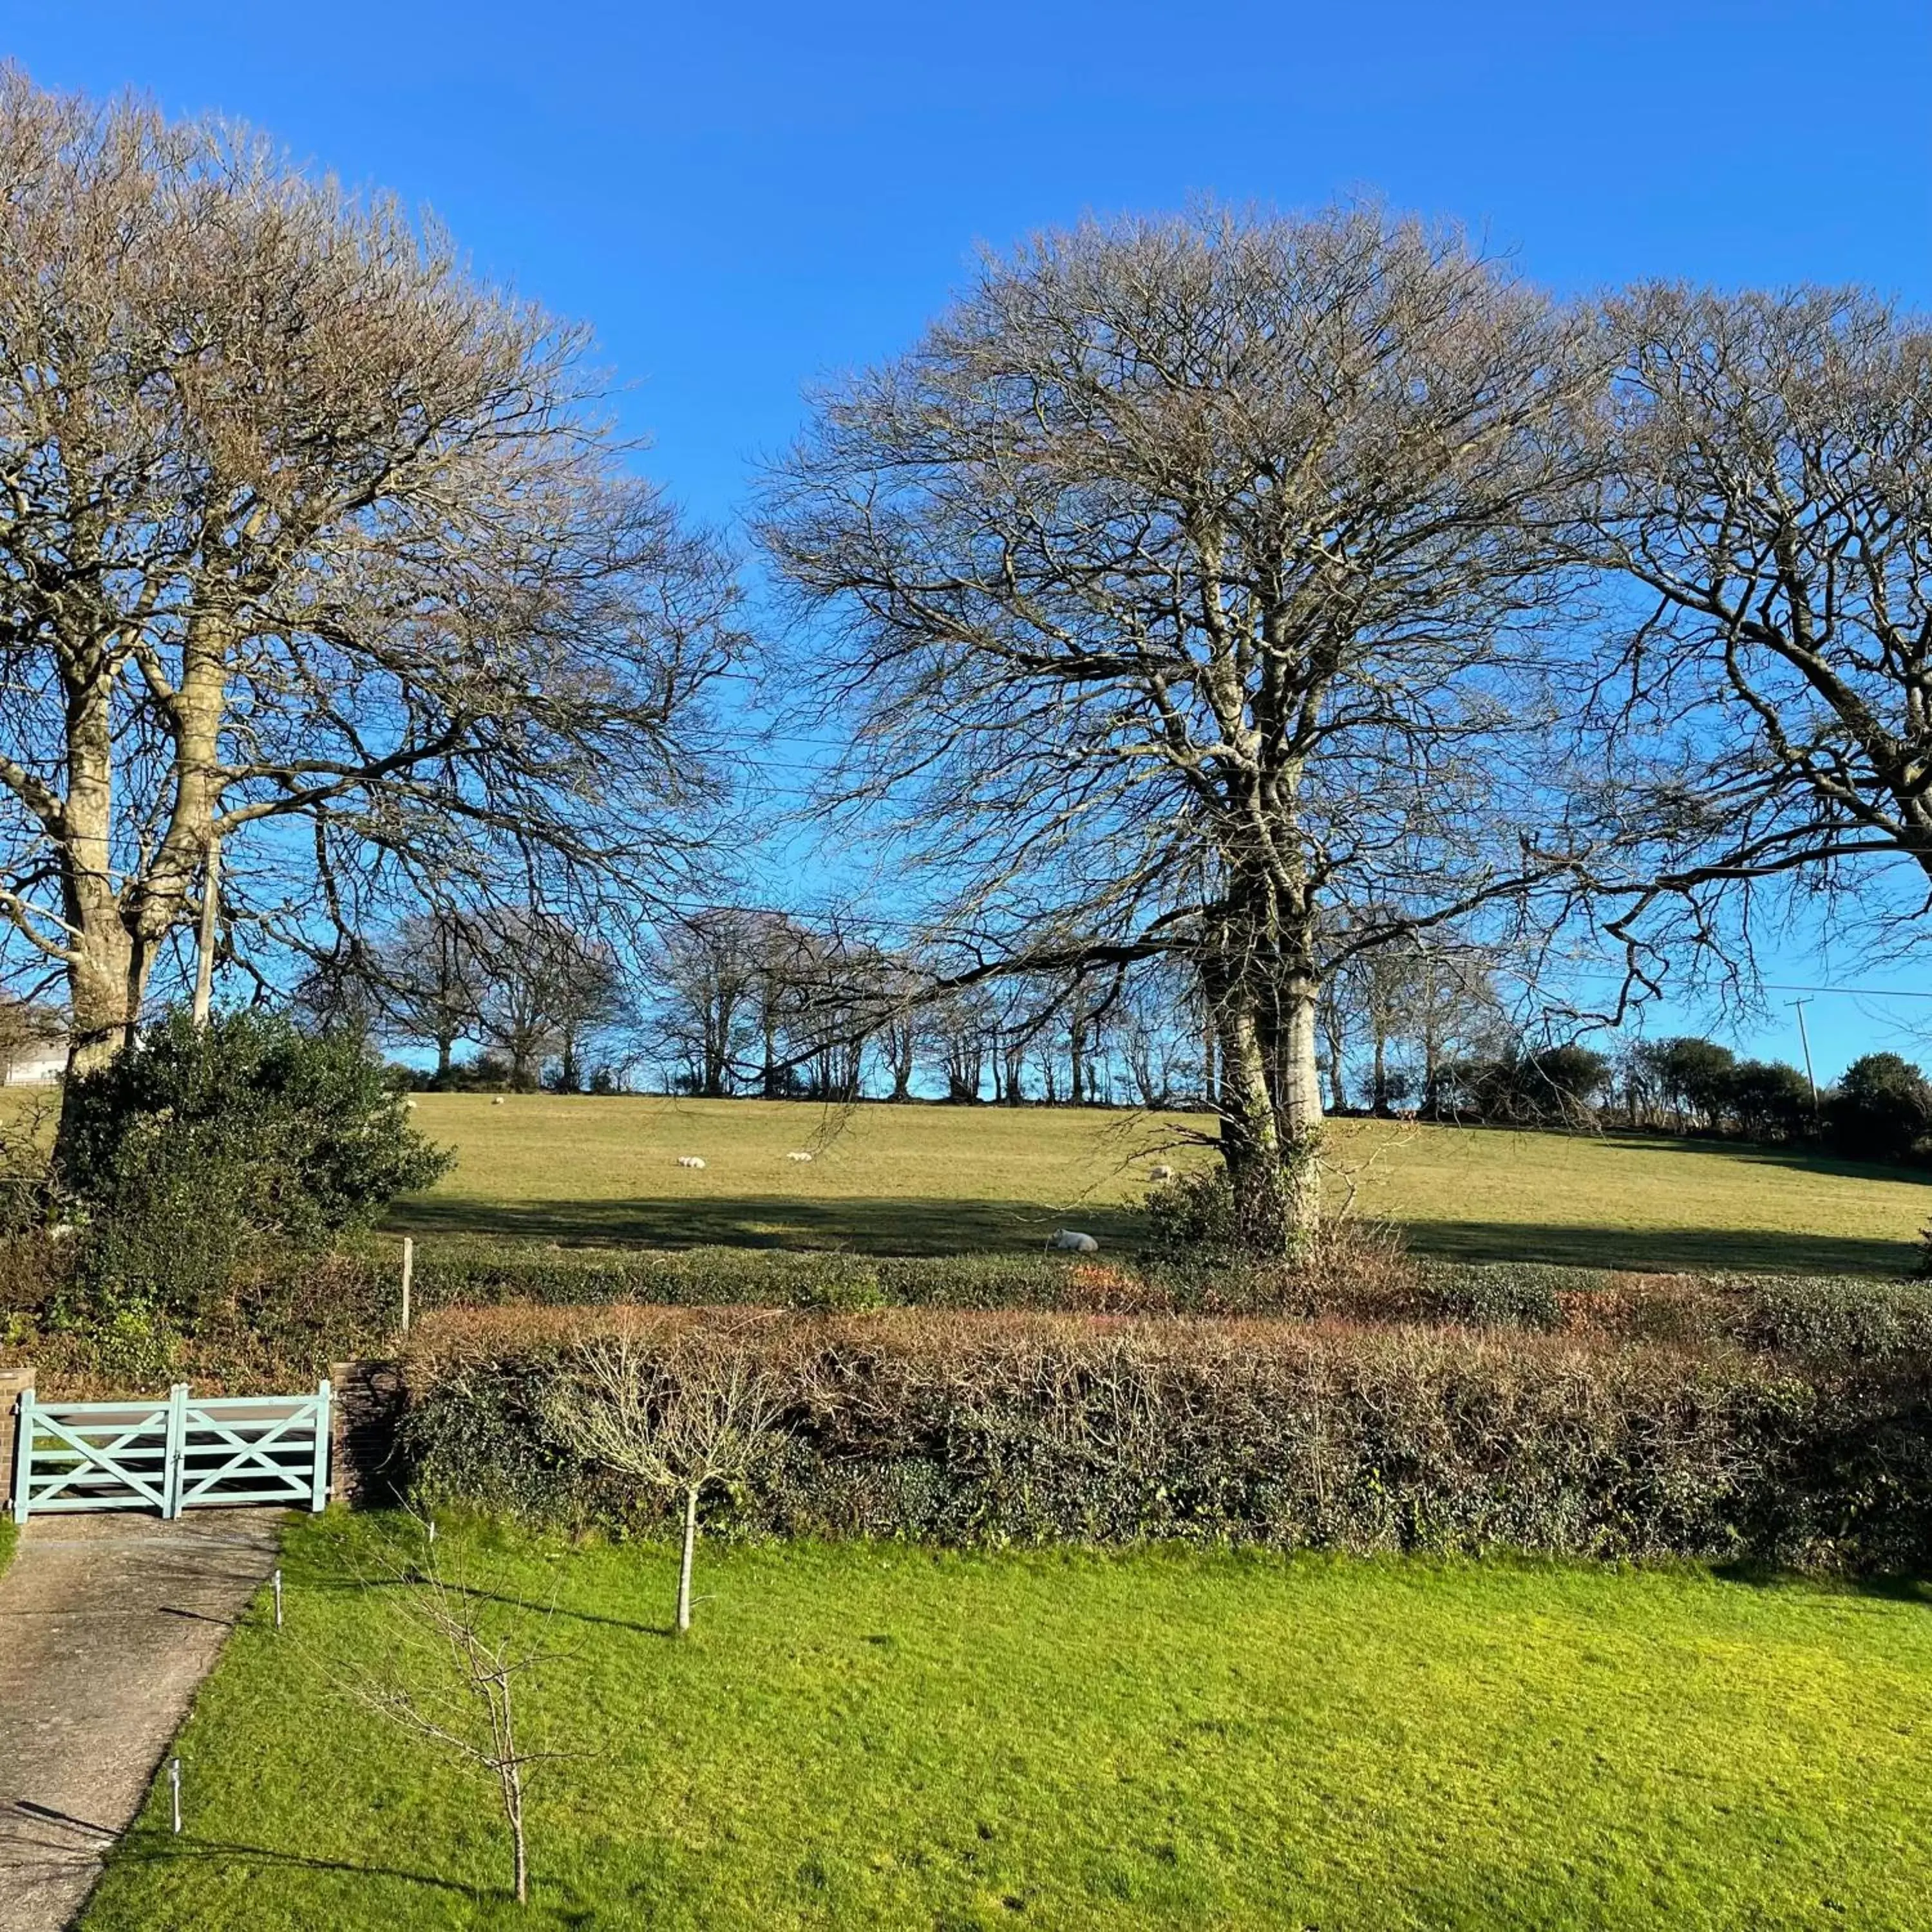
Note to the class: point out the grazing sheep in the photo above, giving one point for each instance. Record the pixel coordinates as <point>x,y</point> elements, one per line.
<point>408,1106</point>
<point>1163,1172</point>
<point>797,1155</point>
<point>689,1160</point>
<point>1069,1242</point>
<point>498,1102</point>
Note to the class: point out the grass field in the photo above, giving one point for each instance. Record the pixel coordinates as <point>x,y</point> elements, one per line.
<point>882,1737</point>
<point>938,1180</point>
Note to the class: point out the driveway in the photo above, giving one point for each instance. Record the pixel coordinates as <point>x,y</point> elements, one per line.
<point>108,1624</point>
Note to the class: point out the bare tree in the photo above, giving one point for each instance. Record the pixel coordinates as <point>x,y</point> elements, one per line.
<point>312,550</point>
<point>696,1409</point>
<point>547,988</point>
<point>1185,580</point>
<point>962,1025</point>
<point>1768,492</point>
<point>455,1659</point>
<point>715,982</point>
<point>432,980</point>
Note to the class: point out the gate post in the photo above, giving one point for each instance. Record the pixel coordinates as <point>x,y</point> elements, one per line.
<point>177,1451</point>
<point>318,1485</point>
<point>16,1400</point>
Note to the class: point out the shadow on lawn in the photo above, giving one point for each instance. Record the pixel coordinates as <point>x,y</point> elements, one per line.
<point>146,1845</point>
<point>902,1226</point>
<point>1663,1250</point>
<point>343,1586</point>
<point>891,1224</point>
<point>1753,1154</point>
<point>1896,1588</point>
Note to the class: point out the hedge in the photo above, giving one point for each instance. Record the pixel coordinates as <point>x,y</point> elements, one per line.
<point>990,1430</point>
<point>295,1314</point>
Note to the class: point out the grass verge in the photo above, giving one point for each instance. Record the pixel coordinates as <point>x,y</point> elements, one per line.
<point>881,1736</point>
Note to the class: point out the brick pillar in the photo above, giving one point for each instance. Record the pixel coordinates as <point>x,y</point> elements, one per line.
<point>368,1399</point>
<point>13,1383</point>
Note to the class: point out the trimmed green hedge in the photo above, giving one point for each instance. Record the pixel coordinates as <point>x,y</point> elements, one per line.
<point>989,1429</point>
<point>293,1317</point>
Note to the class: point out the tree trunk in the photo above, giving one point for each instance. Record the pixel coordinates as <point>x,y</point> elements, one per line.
<point>685,1560</point>
<point>1269,1103</point>
<point>513,1808</point>
<point>208,930</point>
<point>1299,1103</point>
<point>105,986</point>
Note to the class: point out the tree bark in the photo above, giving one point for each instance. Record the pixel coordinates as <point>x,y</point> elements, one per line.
<point>1269,1104</point>
<point>513,1805</point>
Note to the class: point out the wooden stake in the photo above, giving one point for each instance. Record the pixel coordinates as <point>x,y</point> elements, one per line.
<point>409,1275</point>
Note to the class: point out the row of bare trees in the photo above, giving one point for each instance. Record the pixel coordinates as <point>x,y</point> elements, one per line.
<point>1249,615</point>
<point>759,1003</point>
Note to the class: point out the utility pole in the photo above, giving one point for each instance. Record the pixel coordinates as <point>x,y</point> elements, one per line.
<point>1804,1041</point>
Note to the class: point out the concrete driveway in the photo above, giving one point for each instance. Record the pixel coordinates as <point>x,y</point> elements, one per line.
<point>108,1624</point>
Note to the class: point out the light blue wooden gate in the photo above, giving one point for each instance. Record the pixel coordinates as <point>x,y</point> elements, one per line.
<point>172,1454</point>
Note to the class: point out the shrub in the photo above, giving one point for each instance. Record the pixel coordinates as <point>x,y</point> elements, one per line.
<point>1882,1109</point>
<point>980,1429</point>
<point>1514,1294</point>
<point>199,1146</point>
<point>1849,1320</point>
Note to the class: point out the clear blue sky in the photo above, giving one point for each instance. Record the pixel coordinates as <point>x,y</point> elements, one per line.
<point>742,198</point>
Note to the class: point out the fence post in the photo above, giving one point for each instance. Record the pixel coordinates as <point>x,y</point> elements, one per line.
<point>409,1276</point>
<point>16,1444</point>
<point>177,1449</point>
<point>318,1485</point>
<point>16,1386</point>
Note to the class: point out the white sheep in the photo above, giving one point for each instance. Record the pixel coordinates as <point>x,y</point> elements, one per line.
<point>689,1160</point>
<point>1162,1172</point>
<point>1070,1242</point>
<point>498,1101</point>
<point>798,1154</point>
<point>408,1106</point>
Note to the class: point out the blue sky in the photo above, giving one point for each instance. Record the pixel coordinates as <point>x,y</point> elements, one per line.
<point>741,198</point>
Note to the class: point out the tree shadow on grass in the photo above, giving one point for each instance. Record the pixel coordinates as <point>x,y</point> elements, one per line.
<point>1662,1250</point>
<point>891,1225</point>
<point>1756,1154</point>
<point>1895,1588</point>
<point>149,1846</point>
<point>344,1586</point>
<point>925,1226</point>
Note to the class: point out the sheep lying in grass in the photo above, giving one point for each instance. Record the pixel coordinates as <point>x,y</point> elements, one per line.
<point>498,1101</point>
<point>798,1154</point>
<point>1162,1172</point>
<point>1070,1242</point>
<point>689,1160</point>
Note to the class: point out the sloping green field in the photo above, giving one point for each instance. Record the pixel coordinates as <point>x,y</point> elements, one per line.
<point>938,1180</point>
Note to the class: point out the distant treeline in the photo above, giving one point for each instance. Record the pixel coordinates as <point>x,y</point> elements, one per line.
<point>1880,1109</point>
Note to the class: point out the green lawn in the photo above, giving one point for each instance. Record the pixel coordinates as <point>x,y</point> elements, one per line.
<point>881,1736</point>
<point>936,1180</point>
